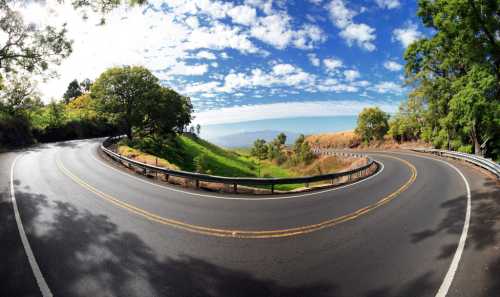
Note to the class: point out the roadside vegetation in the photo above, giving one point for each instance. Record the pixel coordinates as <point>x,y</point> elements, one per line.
<point>29,53</point>
<point>454,77</point>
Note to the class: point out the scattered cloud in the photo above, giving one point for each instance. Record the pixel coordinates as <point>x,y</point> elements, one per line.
<point>244,15</point>
<point>351,75</point>
<point>389,4</point>
<point>388,87</point>
<point>206,55</point>
<point>315,61</point>
<point>353,33</point>
<point>407,34</point>
<point>392,66</point>
<point>332,64</point>
<point>287,109</point>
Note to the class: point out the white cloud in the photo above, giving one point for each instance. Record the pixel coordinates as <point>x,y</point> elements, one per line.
<point>332,64</point>
<point>206,55</point>
<point>201,88</point>
<point>393,66</point>
<point>353,33</point>
<point>407,35</point>
<point>274,30</point>
<point>389,4</point>
<point>183,69</point>
<point>361,34</point>
<point>351,75</point>
<point>388,87</point>
<point>243,14</point>
<point>313,59</point>
<point>308,36</point>
<point>283,69</point>
<point>340,14</point>
<point>287,110</point>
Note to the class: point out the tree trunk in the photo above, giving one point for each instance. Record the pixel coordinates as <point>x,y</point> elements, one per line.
<point>128,130</point>
<point>475,139</point>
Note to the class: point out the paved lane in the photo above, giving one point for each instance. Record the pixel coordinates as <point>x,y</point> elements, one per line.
<point>86,245</point>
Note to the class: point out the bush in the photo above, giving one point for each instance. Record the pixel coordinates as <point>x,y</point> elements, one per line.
<point>15,131</point>
<point>372,124</point>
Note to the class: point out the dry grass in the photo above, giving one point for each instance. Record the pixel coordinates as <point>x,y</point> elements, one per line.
<point>137,155</point>
<point>349,139</point>
<point>345,139</point>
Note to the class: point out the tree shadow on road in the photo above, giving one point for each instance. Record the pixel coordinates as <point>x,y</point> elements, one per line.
<point>484,229</point>
<point>85,254</point>
<point>424,285</point>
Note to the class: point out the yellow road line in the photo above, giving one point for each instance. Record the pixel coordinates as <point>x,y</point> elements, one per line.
<point>243,233</point>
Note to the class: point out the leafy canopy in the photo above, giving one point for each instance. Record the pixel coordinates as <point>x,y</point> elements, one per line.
<point>372,124</point>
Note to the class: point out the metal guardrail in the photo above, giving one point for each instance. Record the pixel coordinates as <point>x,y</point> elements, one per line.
<point>249,181</point>
<point>484,163</point>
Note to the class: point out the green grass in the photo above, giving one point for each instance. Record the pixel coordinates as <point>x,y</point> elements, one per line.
<point>182,150</point>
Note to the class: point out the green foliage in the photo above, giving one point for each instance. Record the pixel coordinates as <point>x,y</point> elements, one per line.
<point>122,94</point>
<point>302,150</point>
<point>28,47</point>
<point>457,73</point>
<point>201,163</point>
<point>281,138</point>
<point>185,150</point>
<point>74,90</point>
<point>259,149</point>
<point>372,124</point>
<point>132,97</point>
<point>408,122</point>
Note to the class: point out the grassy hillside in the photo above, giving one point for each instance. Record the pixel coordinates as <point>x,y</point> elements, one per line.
<point>182,151</point>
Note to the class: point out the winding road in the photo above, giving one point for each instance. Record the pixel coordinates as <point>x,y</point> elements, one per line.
<point>73,224</point>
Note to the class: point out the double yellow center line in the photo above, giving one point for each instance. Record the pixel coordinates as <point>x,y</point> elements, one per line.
<point>242,233</point>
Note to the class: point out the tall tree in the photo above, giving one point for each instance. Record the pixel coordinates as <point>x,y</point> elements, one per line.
<point>166,112</point>
<point>372,124</point>
<point>124,93</point>
<point>457,70</point>
<point>73,91</point>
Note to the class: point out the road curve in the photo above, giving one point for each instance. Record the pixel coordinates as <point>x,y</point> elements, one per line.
<point>93,229</point>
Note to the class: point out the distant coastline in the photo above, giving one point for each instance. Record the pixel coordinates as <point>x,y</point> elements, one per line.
<point>221,133</point>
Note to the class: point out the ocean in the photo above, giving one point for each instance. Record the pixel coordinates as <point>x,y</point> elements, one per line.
<point>304,125</point>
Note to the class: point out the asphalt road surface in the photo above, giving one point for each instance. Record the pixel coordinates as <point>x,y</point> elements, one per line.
<point>80,226</point>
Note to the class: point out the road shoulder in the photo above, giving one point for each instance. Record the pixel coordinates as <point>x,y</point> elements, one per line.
<point>15,272</point>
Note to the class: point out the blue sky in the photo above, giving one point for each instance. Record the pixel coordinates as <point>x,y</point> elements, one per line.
<point>251,59</point>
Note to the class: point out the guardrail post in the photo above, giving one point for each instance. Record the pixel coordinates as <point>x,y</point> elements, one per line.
<point>272,188</point>
<point>197,183</point>
<point>307,185</point>
<point>235,187</point>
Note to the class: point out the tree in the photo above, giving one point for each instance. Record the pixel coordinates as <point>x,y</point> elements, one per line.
<point>73,91</point>
<point>85,85</point>
<point>259,149</point>
<point>281,138</point>
<point>55,114</point>
<point>372,124</point>
<point>166,112</point>
<point>123,93</point>
<point>302,150</point>
<point>409,121</point>
<point>19,97</point>
<point>463,54</point>
<point>27,47</point>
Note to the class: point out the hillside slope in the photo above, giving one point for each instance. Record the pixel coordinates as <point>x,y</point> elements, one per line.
<point>181,152</point>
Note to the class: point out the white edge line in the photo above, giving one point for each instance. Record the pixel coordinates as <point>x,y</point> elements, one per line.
<point>450,274</point>
<point>240,198</point>
<point>42,284</point>
<point>448,279</point>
